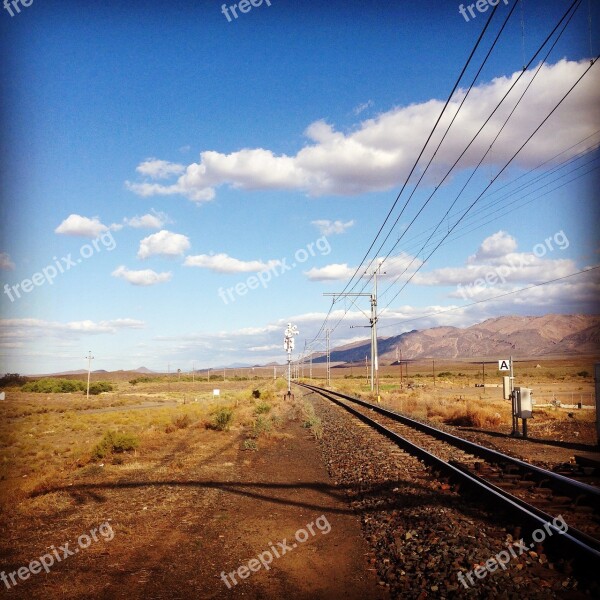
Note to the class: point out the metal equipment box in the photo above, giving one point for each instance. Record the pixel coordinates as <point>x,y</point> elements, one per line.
<point>523,403</point>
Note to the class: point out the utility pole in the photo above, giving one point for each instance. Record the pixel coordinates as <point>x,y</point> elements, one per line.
<point>401,382</point>
<point>327,332</point>
<point>288,346</point>
<point>375,362</point>
<point>90,358</point>
<point>193,372</point>
<point>303,359</point>
<point>483,375</point>
<point>372,320</point>
<point>310,368</point>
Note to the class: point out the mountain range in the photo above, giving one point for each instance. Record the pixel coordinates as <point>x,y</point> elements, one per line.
<point>549,335</point>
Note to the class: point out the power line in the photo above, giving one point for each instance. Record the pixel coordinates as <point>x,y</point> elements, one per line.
<point>497,175</point>
<point>416,163</point>
<point>453,308</point>
<point>454,88</point>
<point>440,144</point>
<point>578,2</point>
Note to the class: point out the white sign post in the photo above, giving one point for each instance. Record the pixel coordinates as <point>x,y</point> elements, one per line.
<point>504,365</point>
<point>288,346</point>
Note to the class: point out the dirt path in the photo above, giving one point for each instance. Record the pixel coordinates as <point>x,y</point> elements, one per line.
<point>200,507</point>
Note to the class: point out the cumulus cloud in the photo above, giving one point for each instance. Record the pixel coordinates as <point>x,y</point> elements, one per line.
<point>143,277</point>
<point>496,263</point>
<point>327,227</point>
<point>79,226</point>
<point>401,266</point>
<point>378,154</point>
<point>6,264</point>
<point>493,247</point>
<point>159,169</point>
<point>333,272</point>
<point>31,329</point>
<point>222,263</point>
<point>156,220</point>
<point>163,243</point>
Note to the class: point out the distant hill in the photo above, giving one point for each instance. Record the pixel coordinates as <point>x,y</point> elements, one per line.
<point>550,335</point>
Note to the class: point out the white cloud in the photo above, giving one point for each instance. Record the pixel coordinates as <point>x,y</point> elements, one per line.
<point>159,169</point>
<point>6,264</point>
<point>266,348</point>
<point>333,272</point>
<point>222,263</point>
<point>156,220</point>
<point>31,329</point>
<point>163,243</point>
<point>76,225</point>
<point>496,264</point>
<point>362,107</point>
<point>327,227</point>
<point>494,247</point>
<point>378,154</point>
<point>143,277</point>
<point>401,266</point>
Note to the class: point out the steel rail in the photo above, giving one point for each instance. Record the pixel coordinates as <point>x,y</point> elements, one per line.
<point>556,481</point>
<point>584,550</point>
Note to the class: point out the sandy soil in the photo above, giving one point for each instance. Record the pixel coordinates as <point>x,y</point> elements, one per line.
<point>193,508</point>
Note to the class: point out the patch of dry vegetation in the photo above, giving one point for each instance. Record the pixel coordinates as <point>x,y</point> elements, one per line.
<point>46,441</point>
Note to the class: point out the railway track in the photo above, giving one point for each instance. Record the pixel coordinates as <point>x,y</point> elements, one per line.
<point>532,495</point>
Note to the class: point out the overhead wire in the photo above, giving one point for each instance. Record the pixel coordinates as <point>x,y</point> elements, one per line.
<point>512,292</point>
<point>574,5</point>
<point>500,172</point>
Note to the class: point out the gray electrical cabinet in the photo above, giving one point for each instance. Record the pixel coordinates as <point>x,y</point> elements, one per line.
<point>523,404</point>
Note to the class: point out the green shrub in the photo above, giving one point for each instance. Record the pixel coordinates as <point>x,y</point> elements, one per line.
<point>312,421</point>
<point>51,385</point>
<point>583,374</point>
<point>12,380</point>
<point>97,387</point>
<point>143,379</point>
<point>262,408</point>
<point>250,444</point>
<point>261,426</point>
<point>114,441</point>
<point>256,393</point>
<point>222,418</point>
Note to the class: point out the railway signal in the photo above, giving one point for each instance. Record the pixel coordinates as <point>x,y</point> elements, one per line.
<point>288,346</point>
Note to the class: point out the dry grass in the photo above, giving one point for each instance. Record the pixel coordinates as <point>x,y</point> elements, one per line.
<point>456,401</point>
<point>46,439</point>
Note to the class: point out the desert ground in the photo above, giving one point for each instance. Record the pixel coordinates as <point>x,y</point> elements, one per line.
<point>164,488</point>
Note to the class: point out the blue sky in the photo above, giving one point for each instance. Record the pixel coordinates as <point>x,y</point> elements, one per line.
<point>197,152</point>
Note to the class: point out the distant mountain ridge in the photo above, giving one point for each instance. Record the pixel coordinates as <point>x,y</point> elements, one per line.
<point>520,336</point>
<point>142,370</point>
